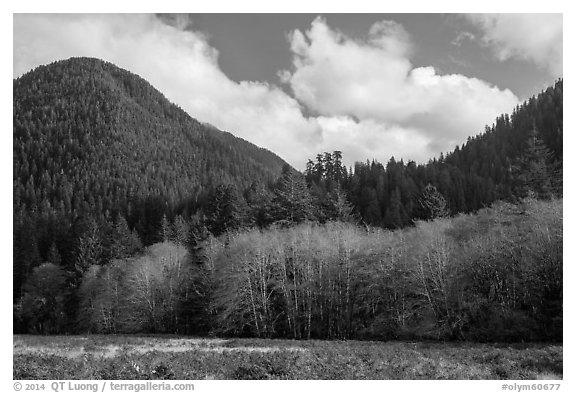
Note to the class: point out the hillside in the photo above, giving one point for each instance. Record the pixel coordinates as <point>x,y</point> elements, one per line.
<point>91,137</point>
<point>88,134</point>
<point>93,140</point>
<point>520,153</point>
<point>116,193</point>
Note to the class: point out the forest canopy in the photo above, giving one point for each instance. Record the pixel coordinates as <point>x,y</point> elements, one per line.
<point>130,216</point>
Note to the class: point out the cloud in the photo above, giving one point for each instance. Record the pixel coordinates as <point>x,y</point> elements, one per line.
<point>369,139</point>
<point>178,62</point>
<point>362,97</point>
<point>532,37</point>
<point>374,82</point>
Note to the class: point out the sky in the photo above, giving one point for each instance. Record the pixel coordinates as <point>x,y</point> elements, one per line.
<point>370,85</point>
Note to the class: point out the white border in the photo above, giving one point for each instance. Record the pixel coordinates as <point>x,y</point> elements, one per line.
<point>294,6</point>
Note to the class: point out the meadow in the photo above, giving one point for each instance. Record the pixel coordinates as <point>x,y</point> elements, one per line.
<point>124,357</point>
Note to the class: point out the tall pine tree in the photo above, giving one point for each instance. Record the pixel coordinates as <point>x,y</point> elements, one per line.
<point>292,201</point>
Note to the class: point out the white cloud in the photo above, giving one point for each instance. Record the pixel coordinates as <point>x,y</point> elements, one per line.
<point>375,82</point>
<point>533,37</point>
<point>181,64</point>
<point>370,101</point>
<point>368,139</point>
<point>337,76</point>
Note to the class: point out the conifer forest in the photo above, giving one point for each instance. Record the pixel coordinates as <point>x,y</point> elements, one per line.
<point>130,216</point>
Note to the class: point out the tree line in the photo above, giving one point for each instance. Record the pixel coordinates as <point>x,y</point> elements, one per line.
<point>115,234</point>
<point>519,155</point>
<point>491,276</point>
<point>94,144</point>
<point>299,261</point>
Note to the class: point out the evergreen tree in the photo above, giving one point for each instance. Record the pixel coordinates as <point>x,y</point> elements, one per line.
<point>338,208</point>
<point>199,233</point>
<point>432,203</point>
<point>328,166</point>
<point>319,169</point>
<point>338,169</point>
<point>124,242</point>
<point>43,304</point>
<point>309,172</point>
<point>89,248</point>
<point>259,199</point>
<point>181,230</point>
<point>292,200</point>
<point>373,211</point>
<point>395,216</point>
<point>535,170</point>
<point>166,233</point>
<point>227,211</point>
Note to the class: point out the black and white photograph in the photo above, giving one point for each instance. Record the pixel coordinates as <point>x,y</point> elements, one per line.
<point>286,196</point>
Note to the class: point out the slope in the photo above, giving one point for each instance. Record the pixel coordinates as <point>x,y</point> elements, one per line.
<point>91,137</point>
<point>92,142</point>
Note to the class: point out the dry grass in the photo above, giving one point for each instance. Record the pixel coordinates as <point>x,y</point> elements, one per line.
<point>170,357</point>
<point>95,348</point>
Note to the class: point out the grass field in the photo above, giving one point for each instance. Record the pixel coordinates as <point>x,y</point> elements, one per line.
<point>170,357</point>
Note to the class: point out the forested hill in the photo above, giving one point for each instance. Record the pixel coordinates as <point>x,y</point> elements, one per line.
<point>519,154</point>
<point>132,217</point>
<point>90,137</point>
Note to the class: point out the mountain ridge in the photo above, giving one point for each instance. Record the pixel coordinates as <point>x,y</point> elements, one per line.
<point>88,104</point>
